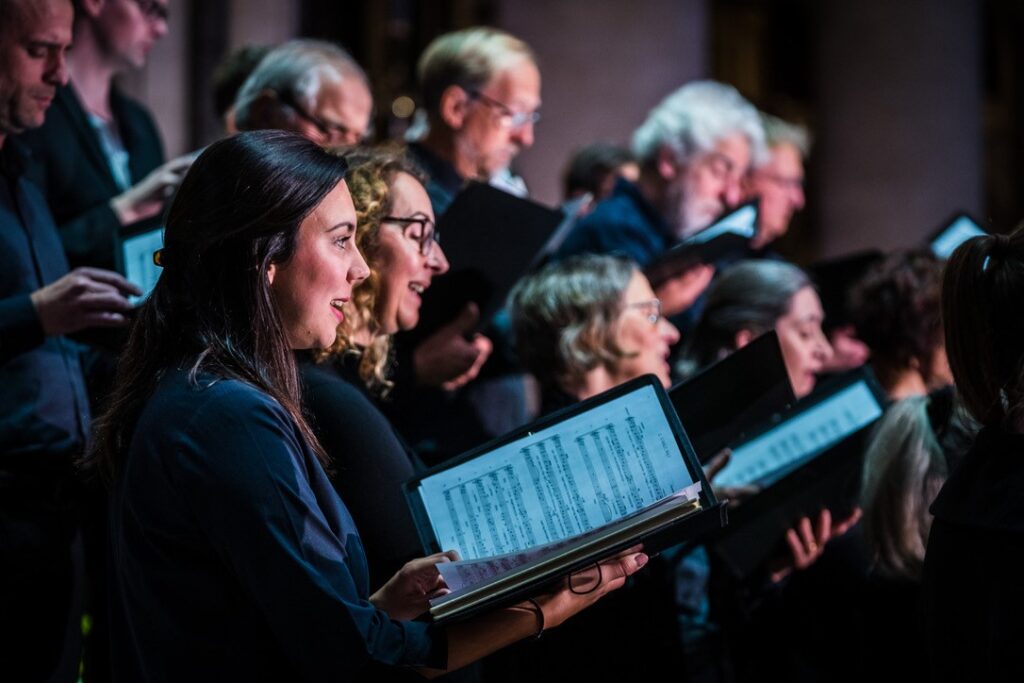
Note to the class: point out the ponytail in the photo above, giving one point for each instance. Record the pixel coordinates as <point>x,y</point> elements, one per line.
<point>982,297</point>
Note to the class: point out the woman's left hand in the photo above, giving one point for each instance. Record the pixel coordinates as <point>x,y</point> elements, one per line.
<point>806,543</point>
<point>406,595</point>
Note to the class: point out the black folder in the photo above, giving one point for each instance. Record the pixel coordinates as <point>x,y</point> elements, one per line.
<point>491,238</point>
<point>728,234</point>
<point>721,405</point>
<point>953,232</point>
<point>588,478</point>
<point>834,278</point>
<point>811,458</point>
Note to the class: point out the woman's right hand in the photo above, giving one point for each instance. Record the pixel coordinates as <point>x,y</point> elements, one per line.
<point>587,586</point>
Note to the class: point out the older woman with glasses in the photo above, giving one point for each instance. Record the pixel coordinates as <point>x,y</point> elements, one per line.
<point>587,324</point>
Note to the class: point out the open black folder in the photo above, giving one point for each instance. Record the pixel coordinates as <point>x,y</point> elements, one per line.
<point>730,233</point>
<point>491,238</point>
<point>560,494</point>
<point>954,232</point>
<point>807,459</point>
<point>722,404</point>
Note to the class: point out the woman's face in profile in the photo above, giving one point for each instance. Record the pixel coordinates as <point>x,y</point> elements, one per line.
<point>804,346</point>
<point>404,271</point>
<point>312,287</point>
<point>643,334</point>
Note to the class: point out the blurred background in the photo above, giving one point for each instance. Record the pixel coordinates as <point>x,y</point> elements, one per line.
<point>915,106</point>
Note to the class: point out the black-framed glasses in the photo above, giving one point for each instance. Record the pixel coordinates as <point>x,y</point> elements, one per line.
<point>154,10</point>
<point>509,117</point>
<point>650,308</point>
<point>419,229</point>
<point>334,133</point>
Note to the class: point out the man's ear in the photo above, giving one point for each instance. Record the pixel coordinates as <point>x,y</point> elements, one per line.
<point>742,338</point>
<point>266,111</point>
<point>454,106</point>
<point>667,164</point>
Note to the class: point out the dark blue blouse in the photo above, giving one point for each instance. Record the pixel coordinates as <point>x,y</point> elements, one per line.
<point>232,558</point>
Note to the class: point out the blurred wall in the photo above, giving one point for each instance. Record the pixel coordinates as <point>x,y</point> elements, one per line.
<point>604,65</point>
<point>164,85</point>
<point>899,127</point>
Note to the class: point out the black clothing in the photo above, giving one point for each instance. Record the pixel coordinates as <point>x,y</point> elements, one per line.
<point>232,558</point>
<point>44,421</point>
<point>71,167</point>
<point>972,590</point>
<point>370,463</point>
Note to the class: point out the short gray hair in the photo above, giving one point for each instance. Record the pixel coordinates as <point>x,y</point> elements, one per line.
<point>779,132</point>
<point>469,59</point>
<point>564,317</point>
<point>752,296</point>
<point>296,70</point>
<point>694,118</point>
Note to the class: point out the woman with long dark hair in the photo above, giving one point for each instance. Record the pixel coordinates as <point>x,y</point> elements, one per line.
<point>232,558</point>
<point>972,585</point>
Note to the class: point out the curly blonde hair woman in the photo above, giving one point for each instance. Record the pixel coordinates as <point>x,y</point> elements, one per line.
<point>398,239</point>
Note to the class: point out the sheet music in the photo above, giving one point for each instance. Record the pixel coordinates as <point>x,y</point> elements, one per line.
<point>139,268</point>
<point>958,232</point>
<point>742,221</point>
<point>463,574</point>
<point>559,482</point>
<point>767,458</point>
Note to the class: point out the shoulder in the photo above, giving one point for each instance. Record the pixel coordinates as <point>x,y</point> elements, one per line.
<point>985,490</point>
<point>203,411</point>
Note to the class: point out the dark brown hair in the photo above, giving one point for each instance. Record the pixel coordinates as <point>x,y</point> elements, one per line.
<point>237,212</point>
<point>982,292</point>
<point>897,311</point>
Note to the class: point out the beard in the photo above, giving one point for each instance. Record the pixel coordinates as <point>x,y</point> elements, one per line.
<point>691,213</point>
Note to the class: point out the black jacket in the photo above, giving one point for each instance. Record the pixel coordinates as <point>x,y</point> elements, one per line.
<point>973,582</point>
<point>71,168</point>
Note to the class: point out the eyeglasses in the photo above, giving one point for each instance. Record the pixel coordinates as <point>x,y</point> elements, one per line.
<point>153,10</point>
<point>786,182</point>
<point>650,308</point>
<point>419,229</point>
<point>509,118</point>
<point>333,133</point>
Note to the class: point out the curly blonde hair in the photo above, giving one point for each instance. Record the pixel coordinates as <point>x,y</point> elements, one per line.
<point>370,181</point>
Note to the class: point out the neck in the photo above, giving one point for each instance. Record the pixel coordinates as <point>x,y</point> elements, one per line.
<point>92,73</point>
<point>594,382</point>
<point>906,384</point>
<point>441,141</point>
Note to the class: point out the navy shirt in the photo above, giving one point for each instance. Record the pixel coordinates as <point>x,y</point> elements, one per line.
<point>232,558</point>
<point>625,224</point>
<point>44,413</point>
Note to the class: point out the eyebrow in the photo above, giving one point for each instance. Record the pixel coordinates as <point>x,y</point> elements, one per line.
<point>347,224</point>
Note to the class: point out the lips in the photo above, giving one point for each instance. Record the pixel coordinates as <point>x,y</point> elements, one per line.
<point>337,305</point>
